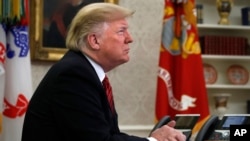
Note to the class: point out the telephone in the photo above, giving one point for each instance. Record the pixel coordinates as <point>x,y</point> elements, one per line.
<point>219,129</point>
<point>161,122</point>
<point>184,123</point>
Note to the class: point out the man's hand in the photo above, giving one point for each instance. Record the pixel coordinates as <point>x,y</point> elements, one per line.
<point>168,133</point>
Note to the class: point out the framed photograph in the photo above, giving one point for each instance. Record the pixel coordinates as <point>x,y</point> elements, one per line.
<point>49,20</point>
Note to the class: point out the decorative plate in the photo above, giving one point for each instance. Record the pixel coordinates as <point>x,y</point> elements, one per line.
<point>210,74</point>
<point>237,74</point>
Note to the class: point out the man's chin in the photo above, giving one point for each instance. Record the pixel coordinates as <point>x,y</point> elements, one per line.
<point>125,60</point>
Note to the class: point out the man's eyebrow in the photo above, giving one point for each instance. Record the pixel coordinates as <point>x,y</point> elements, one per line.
<point>124,27</point>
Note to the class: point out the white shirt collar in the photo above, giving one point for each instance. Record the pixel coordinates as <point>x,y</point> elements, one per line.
<point>99,70</point>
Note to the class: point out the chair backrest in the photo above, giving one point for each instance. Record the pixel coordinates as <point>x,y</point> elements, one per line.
<point>164,120</point>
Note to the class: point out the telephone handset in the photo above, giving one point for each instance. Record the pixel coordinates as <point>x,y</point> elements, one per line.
<point>207,128</point>
<point>161,122</point>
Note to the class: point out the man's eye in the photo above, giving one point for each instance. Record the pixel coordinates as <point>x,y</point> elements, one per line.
<point>121,32</point>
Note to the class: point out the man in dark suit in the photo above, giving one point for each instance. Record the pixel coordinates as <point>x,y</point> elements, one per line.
<point>70,103</point>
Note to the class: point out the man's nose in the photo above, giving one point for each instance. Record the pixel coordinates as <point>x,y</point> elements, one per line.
<point>129,38</point>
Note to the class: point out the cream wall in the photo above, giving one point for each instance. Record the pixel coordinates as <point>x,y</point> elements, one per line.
<point>134,83</point>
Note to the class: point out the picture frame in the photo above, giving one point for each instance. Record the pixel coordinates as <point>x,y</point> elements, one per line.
<point>42,46</point>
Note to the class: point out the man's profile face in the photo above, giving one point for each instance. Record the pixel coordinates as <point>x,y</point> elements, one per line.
<point>114,42</point>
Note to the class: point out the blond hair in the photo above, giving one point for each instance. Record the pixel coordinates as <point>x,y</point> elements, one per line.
<point>91,18</point>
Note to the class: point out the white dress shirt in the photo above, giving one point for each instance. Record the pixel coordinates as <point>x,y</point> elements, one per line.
<point>98,69</point>
<point>152,139</point>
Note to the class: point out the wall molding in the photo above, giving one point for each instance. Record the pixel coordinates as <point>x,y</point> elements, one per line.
<point>136,127</point>
<point>138,130</point>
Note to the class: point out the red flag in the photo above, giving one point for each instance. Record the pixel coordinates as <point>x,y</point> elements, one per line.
<point>180,83</point>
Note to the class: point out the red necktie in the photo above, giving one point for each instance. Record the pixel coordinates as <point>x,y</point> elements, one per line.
<point>109,93</point>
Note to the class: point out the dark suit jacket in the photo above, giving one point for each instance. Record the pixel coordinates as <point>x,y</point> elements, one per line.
<point>70,105</point>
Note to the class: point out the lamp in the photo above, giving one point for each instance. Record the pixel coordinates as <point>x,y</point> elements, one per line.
<point>221,100</point>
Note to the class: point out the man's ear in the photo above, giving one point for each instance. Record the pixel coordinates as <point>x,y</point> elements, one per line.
<point>93,41</point>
